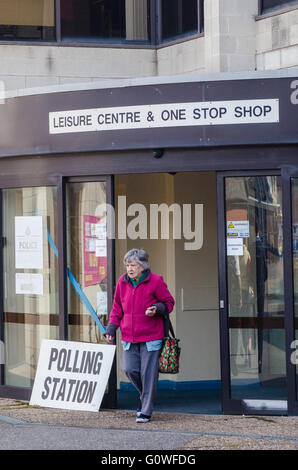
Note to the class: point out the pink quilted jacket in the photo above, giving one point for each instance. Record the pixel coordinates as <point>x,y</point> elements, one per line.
<point>130,304</point>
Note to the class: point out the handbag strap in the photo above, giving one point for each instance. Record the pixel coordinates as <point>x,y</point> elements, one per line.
<point>168,326</point>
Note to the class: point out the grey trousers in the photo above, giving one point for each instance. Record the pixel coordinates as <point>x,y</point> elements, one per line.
<point>141,367</point>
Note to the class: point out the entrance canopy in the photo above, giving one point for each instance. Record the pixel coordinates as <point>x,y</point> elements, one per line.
<point>153,114</point>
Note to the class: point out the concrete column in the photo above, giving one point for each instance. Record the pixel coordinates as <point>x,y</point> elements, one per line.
<point>212,35</point>
<point>230,35</point>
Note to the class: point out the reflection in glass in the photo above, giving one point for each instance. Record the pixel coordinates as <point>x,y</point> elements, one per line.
<point>270,5</point>
<point>88,20</point>
<point>27,20</point>
<point>255,287</point>
<point>87,258</point>
<point>179,18</point>
<point>30,278</point>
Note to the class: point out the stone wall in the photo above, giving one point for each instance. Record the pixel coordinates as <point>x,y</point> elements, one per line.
<point>277,41</point>
<point>235,39</point>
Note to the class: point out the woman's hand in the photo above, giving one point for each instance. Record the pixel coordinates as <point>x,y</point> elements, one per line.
<point>110,339</point>
<point>151,311</point>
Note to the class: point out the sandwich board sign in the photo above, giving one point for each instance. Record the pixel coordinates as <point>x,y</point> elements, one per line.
<point>72,375</point>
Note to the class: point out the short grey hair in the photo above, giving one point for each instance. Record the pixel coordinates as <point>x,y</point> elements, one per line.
<point>140,256</point>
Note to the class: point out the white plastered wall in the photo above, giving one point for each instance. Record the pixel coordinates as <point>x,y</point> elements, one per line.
<point>197,284</point>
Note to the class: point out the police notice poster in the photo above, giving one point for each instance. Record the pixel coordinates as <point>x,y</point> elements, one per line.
<point>28,242</point>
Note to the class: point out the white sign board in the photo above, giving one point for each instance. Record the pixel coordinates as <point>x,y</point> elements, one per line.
<point>29,283</point>
<point>235,246</point>
<point>165,115</point>
<point>101,247</point>
<point>72,375</point>
<point>238,228</point>
<point>102,303</point>
<point>28,242</point>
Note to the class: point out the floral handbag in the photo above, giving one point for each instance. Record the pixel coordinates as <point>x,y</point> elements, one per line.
<point>170,353</point>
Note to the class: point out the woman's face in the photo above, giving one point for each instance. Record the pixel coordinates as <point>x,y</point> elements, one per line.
<point>134,269</point>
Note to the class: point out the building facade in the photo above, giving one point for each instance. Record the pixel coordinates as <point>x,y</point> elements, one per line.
<point>181,118</point>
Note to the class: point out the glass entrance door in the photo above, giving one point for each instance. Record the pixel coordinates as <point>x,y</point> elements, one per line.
<point>294,193</point>
<point>89,263</point>
<point>58,273</point>
<point>291,224</point>
<point>30,279</point>
<point>252,299</point>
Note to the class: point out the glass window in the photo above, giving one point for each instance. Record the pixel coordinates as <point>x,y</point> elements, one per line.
<point>271,5</point>
<point>30,267</point>
<point>88,20</point>
<point>27,20</point>
<point>295,256</point>
<point>87,260</point>
<point>179,18</point>
<point>255,287</point>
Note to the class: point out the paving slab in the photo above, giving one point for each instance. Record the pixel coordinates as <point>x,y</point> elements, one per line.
<point>117,429</point>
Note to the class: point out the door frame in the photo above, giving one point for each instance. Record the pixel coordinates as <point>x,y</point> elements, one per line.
<point>287,174</point>
<point>233,406</point>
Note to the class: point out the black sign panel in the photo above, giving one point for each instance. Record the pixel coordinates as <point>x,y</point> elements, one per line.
<point>190,114</point>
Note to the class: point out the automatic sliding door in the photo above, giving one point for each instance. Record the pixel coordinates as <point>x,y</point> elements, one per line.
<point>87,261</point>
<point>294,193</point>
<point>90,265</point>
<point>255,359</point>
<point>30,270</point>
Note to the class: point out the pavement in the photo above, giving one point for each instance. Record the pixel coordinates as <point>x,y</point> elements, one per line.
<point>25,427</point>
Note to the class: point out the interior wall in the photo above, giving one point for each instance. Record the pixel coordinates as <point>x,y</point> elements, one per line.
<point>191,275</point>
<point>144,189</point>
<point>197,284</point>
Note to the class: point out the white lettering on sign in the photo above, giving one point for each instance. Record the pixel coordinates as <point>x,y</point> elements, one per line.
<point>72,375</point>
<point>294,94</point>
<point>165,115</point>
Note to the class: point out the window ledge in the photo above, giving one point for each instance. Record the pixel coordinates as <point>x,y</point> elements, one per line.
<point>280,11</point>
<point>172,42</point>
<point>104,45</point>
<point>79,44</point>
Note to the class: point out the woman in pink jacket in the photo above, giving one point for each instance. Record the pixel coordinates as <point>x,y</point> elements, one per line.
<point>141,301</point>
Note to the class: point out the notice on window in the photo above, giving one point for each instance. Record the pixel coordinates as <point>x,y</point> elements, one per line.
<point>95,250</point>
<point>238,228</point>
<point>29,283</point>
<point>102,303</point>
<point>101,231</point>
<point>101,247</point>
<point>235,246</point>
<point>295,240</point>
<point>72,375</point>
<point>28,242</point>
